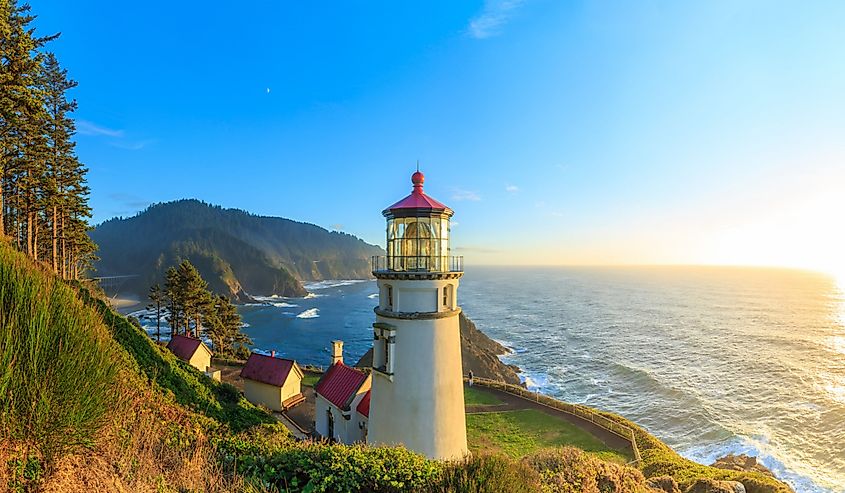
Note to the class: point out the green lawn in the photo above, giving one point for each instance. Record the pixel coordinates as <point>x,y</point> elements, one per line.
<point>310,379</point>
<point>473,396</point>
<point>518,433</point>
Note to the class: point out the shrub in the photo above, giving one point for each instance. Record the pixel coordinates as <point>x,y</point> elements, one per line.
<point>58,363</point>
<point>279,463</point>
<point>488,474</point>
<point>228,393</point>
<point>570,470</point>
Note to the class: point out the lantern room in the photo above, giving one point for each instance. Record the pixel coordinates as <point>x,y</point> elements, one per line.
<point>418,234</point>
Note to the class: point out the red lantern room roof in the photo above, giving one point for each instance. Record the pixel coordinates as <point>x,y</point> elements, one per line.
<point>418,198</point>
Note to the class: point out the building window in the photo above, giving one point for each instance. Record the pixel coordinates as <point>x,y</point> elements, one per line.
<point>447,296</point>
<point>384,341</point>
<point>330,418</point>
<point>390,297</point>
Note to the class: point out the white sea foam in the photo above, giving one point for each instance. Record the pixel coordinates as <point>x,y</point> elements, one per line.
<point>284,305</point>
<point>268,298</point>
<point>309,313</point>
<point>331,283</point>
<point>312,295</point>
<point>373,296</point>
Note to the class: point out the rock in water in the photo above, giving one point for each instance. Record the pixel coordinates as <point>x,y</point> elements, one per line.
<point>741,462</point>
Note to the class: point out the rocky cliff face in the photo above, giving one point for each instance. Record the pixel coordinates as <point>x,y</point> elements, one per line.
<point>478,352</point>
<point>481,354</point>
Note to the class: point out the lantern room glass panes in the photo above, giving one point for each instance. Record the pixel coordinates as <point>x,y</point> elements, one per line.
<point>418,243</point>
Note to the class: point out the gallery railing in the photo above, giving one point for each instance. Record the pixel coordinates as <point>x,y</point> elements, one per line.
<point>583,412</point>
<point>416,263</point>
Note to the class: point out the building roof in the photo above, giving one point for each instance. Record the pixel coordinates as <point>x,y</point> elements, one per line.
<point>269,370</point>
<point>364,405</point>
<point>418,198</point>
<point>184,347</point>
<point>366,360</point>
<point>340,384</point>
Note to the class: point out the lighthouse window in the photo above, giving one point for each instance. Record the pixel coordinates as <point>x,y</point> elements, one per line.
<point>390,297</point>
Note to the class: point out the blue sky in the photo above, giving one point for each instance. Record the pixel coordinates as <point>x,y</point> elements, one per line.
<point>561,132</point>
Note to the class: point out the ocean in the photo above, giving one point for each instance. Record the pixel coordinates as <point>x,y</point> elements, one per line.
<point>710,360</point>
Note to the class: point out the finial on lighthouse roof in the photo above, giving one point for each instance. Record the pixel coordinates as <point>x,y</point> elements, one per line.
<point>418,179</point>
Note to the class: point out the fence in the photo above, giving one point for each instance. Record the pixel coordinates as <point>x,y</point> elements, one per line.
<point>582,412</point>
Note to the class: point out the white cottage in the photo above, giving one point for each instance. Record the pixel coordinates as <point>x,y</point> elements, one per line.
<point>339,394</point>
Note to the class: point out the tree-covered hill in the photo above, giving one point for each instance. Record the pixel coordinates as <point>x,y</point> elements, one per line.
<point>237,252</point>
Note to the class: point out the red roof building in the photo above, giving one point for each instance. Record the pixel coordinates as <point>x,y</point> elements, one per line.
<point>183,347</point>
<point>191,350</point>
<point>267,369</point>
<point>340,384</point>
<point>272,382</point>
<point>364,406</point>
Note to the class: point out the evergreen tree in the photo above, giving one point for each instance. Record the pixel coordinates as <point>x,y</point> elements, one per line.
<point>43,194</point>
<point>193,309</point>
<point>157,301</point>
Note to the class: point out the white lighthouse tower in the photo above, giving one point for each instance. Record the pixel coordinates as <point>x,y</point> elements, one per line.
<point>417,397</point>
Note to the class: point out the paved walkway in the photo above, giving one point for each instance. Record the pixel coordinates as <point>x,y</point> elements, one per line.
<point>511,402</point>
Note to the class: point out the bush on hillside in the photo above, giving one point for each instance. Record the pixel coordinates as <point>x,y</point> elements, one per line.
<point>281,464</point>
<point>58,364</point>
<point>488,474</point>
<point>570,470</point>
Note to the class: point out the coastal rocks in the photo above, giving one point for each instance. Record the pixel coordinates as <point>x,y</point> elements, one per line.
<point>741,462</point>
<point>479,353</point>
<point>664,483</point>
<point>714,486</point>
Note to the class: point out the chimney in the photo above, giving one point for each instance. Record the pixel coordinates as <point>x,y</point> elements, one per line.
<point>337,352</point>
<point>273,353</point>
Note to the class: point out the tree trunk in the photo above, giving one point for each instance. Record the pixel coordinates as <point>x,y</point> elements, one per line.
<point>2,201</point>
<point>55,240</point>
<point>64,248</point>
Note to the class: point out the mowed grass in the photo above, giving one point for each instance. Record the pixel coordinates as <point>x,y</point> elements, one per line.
<point>473,396</point>
<point>310,379</point>
<point>522,432</point>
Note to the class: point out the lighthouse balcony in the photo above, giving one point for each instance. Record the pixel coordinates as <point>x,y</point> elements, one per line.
<point>417,266</point>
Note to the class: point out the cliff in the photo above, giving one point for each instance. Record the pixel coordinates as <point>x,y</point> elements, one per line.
<point>478,352</point>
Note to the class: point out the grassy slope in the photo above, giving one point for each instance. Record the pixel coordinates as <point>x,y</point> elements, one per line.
<point>523,432</point>
<point>473,396</point>
<point>188,387</point>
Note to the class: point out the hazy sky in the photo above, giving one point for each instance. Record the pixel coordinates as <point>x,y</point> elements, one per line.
<point>560,132</point>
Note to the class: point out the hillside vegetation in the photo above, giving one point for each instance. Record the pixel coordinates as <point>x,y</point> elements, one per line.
<point>236,252</point>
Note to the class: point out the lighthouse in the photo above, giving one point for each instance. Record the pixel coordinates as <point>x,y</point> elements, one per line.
<point>417,396</point>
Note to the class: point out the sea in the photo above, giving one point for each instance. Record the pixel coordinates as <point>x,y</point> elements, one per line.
<point>710,360</point>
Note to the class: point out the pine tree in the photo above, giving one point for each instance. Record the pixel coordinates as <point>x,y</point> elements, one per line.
<point>157,300</point>
<point>174,300</point>
<point>21,122</point>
